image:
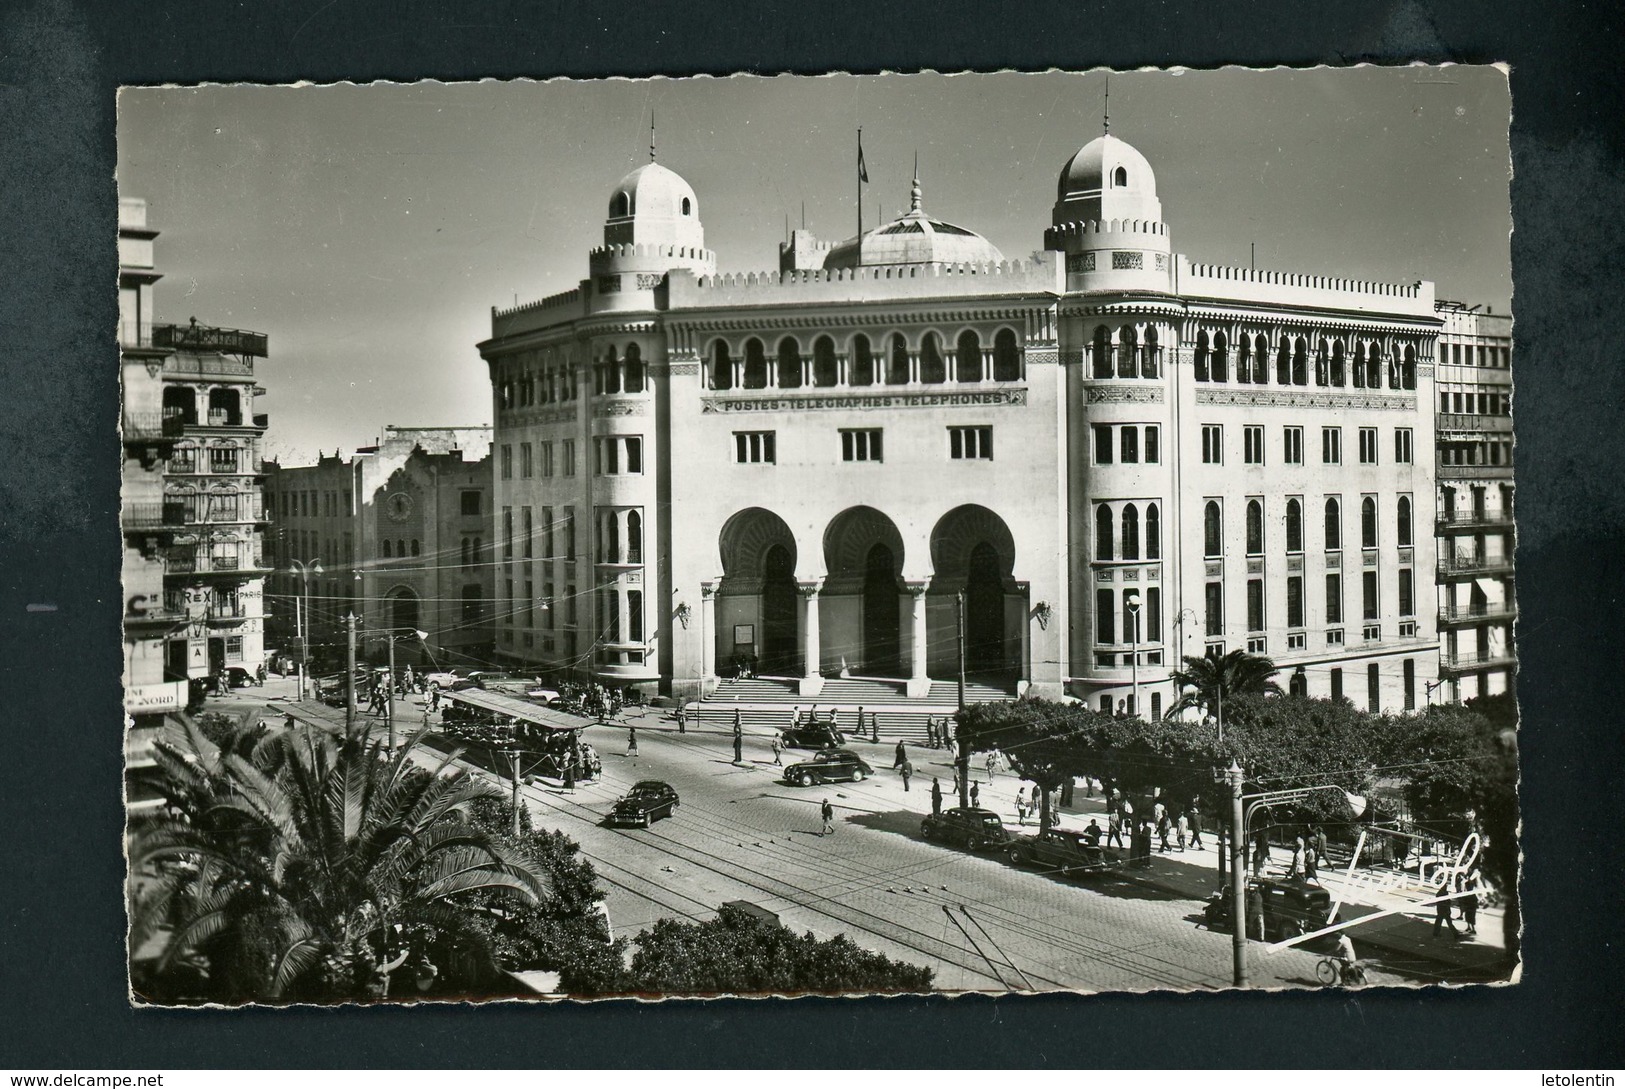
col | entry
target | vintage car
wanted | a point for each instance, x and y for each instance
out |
(646, 801)
(817, 735)
(968, 827)
(829, 766)
(1059, 849)
(1290, 908)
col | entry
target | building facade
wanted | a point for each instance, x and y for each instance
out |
(1477, 600)
(399, 535)
(1102, 458)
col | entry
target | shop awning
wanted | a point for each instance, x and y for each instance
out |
(518, 708)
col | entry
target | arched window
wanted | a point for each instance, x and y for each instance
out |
(1359, 366)
(1006, 357)
(1201, 356)
(1127, 351)
(1220, 363)
(755, 365)
(722, 366)
(1368, 522)
(416, 550)
(1339, 377)
(968, 356)
(387, 547)
(1153, 532)
(825, 370)
(863, 362)
(1103, 532)
(1120, 177)
(897, 363)
(633, 369)
(1407, 373)
(1244, 358)
(1102, 352)
(1255, 528)
(1294, 526)
(1131, 532)
(933, 368)
(1404, 521)
(1300, 362)
(1373, 366)
(1283, 363)
(609, 372)
(1261, 360)
(1212, 530)
(1334, 525)
(634, 537)
(620, 205)
(789, 364)
(180, 401)
(468, 557)
(1151, 362)
(687, 207)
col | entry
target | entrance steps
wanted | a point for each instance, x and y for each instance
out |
(768, 703)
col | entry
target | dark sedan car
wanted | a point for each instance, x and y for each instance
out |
(967, 827)
(829, 766)
(646, 801)
(1290, 908)
(815, 736)
(1057, 849)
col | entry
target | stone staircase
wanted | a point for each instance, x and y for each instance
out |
(766, 704)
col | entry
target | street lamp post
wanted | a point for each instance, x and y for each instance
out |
(1131, 602)
(962, 760)
(393, 634)
(302, 605)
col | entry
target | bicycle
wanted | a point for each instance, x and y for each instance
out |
(1334, 971)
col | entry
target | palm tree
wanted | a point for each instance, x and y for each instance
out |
(290, 867)
(1208, 681)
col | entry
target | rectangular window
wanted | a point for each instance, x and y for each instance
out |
(234, 648)
(1255, 604)
(1410, 683)
(526, 466)
(1212, 444)
(1368, 446)
(1334, 599)
(1294, 601)
(570, 606)
(970, 443)
(1368, 595)
(634, 453)
(547, 459)
(1402, 446)
(528, 530)
(529, 605)
(754, 447)
(1151, 629)
(507, 462)
(1252, 443)
(606, 457)
(1128, 445)
(547, 536)
(1215, 608)
(634, 616)
(470, 504)
(1373, 688)
(1337, 683)
(507, 534)
(547, 605)
(861, 444)
(1153, 434)
(569, 452)
(1407, 593)
(1331, 445)
(1103, 444)
(570, 537)
(1105, 617)
(471, 603)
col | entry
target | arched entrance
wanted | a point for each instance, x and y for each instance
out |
(882, 616)
(861, 611)
(779, 655)
(973, 550)
(984, 611)
(757, 626)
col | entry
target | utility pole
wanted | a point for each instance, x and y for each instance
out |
(389, 689)
(304, 644)
(349, 676)
(1233, 777)
(963, 759)
(513, 755)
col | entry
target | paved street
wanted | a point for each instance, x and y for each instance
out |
(981, 923)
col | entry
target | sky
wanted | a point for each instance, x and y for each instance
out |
(368, 230)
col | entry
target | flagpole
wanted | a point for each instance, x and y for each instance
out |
(860, 181)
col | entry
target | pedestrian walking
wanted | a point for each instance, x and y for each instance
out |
(1319, 839)
(1311, 869)
(682, 719)
(902, 755)
(1295, 867)
(908, 773)
(778, 750)
(975, 795)
(1441, 911)
(1021, 805)
(1162, 833)
(739, 745)
(992, 765)
(1196, 827)
(936, 796)
(1114, 828)
(570, 772)
(259, 675)
(1183, 827)
(631, 741)
(827, 812)
(434, 698)
(1091, 834)
(1261, 850)
(1468, 884)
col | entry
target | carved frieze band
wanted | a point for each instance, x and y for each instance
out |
(849, 402)
(604, 409)
(1124, 395)
(1266, 398)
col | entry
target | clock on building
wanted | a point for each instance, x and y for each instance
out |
(399, 506)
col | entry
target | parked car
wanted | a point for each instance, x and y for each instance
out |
(238, 677)
(968, 827)
(646, 801)
(815, 736)
(829, 766)
(1291, 908)
(331, 690)
(1059, 849)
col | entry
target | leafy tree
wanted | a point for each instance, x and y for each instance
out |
(1215, 679)
(293, 866)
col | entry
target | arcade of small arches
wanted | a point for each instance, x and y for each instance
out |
(870, 604)
(222, 406)
(1336, 361)
(931, 358)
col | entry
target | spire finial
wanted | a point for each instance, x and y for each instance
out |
(1106, 116)
(914, 200)
(651, 134)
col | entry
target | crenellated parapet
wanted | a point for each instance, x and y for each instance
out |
(870, 283)
(1269, 287)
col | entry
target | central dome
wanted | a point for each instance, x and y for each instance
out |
(654, 205)
(1106, 163)
(914, 239)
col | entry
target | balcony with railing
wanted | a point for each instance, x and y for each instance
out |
(190, 563)
(1471, 472)
(207, 338)
(1462, 421)
(1482, 613)
(1465, 567)
(169, 423)
(1450, 521)
(147, 516)
(1473, 661)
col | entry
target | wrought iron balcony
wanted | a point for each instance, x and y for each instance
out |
(147, 516)
(1447, 521)
(150, 426)
(1458, 567)
(207, 338)
(1471, 661)
(1456, 615)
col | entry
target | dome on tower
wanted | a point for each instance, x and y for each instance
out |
(1107, 180)
(915, 238)
(653, 204)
